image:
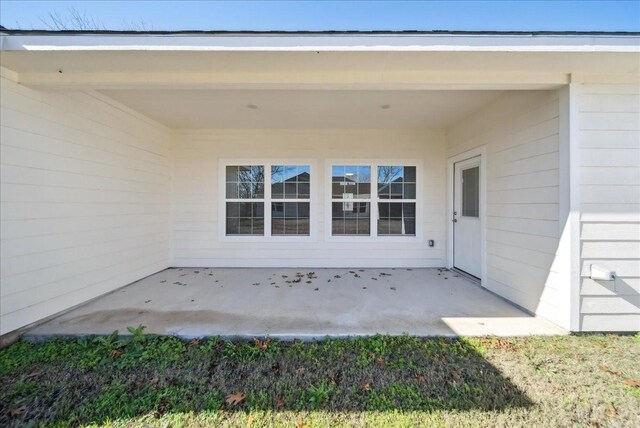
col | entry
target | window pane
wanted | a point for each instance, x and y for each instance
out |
(396, 218)
(396, 182)
(409, 191)
(245, 218)
(277, 190)
(350, 181)
(471, 192)
(290, 218)
(232, 173)
(245, 182)
(350, 218)
(290, 182)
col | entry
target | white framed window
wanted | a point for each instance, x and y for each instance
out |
(290, 200)
(244, 200)
(396, 198)
(373, 199)
(264, 199)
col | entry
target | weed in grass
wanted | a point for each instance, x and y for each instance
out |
(318, 395)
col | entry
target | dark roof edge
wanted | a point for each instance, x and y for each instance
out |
(324, 32)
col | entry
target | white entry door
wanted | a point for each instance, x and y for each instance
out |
(466, 216)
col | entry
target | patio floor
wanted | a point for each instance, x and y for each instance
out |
(299, 303)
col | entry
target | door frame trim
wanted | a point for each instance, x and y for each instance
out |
(480, 151)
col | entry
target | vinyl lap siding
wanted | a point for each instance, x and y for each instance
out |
(196, 224)
(521, 134)
(609, 121)
(85, 200)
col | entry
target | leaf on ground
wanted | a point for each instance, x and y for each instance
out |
(420, 379)
(381, 361)
(611, 411)
(194, 343)
(235, 398)
(262, 344)
(116, 353)
(18, 411)
(250, 420)
(302, 425)
(609, 370)
(279, 402)
(366, 387)
(632, 383)
(31, 375)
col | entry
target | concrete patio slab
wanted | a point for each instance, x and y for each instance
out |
(299, 303)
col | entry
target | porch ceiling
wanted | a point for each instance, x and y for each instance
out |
(303, 108)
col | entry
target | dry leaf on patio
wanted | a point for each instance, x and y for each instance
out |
(235, 398)
(18, 411)
(608, 370)
(632, 383)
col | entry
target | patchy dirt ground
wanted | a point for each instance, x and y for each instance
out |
(591, 380)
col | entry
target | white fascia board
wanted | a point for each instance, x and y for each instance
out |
(356, 43)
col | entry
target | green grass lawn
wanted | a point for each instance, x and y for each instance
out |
(588, 380)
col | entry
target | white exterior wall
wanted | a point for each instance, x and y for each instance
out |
(197, 239)
(609, 139)
(85, 200)
(520, 131)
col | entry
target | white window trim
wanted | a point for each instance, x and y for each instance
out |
(373, 236)
(267, 237)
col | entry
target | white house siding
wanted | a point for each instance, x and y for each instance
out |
(85, 200)
(196, 226)
(609, 138)
(521, 133)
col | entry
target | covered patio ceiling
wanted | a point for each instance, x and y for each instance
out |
(299, 109)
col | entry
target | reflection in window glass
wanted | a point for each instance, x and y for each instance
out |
(351, 182)
(471, 192)
(350, 218)
(290, 194)
(352, 185)
(395, 218)
(245, 218)
(245, 182)
(397, 182)
(290, 218)
(290, 182)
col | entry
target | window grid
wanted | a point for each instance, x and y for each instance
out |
(396, 196)
(290, 200)
(247, 198)
(351, 200)
(244, 200)
(407, 219)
